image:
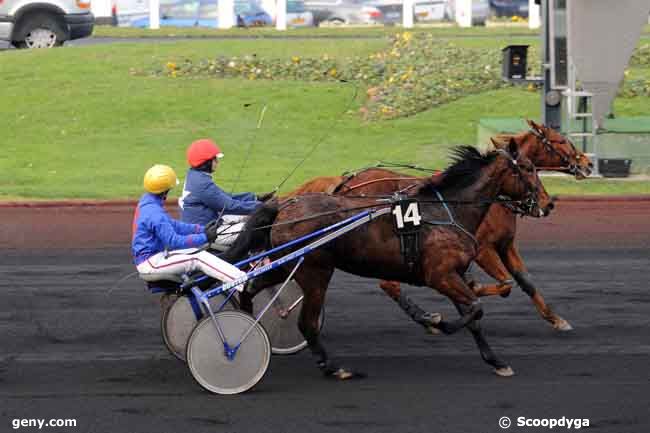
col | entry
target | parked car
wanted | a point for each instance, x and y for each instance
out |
(336, 12)
(510, 8)
(298, 15)
(44, 23)
(480, 11)
(430, 10)
(194, 13)
(391, 10)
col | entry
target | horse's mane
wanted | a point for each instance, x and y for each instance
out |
(466, 163)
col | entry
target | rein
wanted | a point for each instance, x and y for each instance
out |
(383, 179)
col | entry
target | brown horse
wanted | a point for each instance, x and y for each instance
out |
(498, 256)
(469, 186)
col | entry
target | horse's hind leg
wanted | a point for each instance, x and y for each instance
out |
(517, 268)
(417, 314)
(314, 282)
(500, 367)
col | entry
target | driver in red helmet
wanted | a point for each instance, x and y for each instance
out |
(203, 201)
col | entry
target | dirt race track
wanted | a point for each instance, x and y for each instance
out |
(72, 348)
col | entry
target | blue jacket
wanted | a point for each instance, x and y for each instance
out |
(203, 201)
(154, 230)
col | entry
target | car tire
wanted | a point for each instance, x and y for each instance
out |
(40, 30)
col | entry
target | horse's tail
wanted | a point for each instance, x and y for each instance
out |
(256, 234)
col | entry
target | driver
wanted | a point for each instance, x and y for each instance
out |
(164, 248)
(204, 201)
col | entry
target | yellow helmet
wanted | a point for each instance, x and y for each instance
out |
(160, 178)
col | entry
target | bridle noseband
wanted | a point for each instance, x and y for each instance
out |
(530, 202)
(567, 166)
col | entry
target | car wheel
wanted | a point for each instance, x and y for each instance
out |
(40, 31)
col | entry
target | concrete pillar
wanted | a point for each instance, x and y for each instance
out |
(154, 14)
(534, 15)
(407, 14)
(464, 13)
(281, 16)
(226, 14)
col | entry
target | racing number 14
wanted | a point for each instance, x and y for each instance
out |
(412, 215)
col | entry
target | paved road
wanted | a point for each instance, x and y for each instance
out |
(71, 350)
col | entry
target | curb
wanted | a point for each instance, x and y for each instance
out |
(133, 203)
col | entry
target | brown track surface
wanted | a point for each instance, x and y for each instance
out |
(580, 222)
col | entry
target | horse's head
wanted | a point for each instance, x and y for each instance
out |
(553, 151)
(522, 183)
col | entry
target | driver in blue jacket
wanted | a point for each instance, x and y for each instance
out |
(204, 201)
(163, 248)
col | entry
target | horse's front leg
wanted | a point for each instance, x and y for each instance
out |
(314, 282)
(500, 367)
(455, 288)
(517, 268)
(490, 261)
(428, 320)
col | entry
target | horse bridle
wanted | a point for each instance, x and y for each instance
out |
(530, 202)
(548, 145)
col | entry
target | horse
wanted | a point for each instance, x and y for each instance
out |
(467, 188)
(498, 255)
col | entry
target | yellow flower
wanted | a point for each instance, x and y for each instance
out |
(295, 59)
(173, 74)
(407, 36)
(332, 72)
(171, 66)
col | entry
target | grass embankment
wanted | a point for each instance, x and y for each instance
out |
(81, 125)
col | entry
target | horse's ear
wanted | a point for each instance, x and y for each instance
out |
(513, 148)
(494, 143)
(534, 125)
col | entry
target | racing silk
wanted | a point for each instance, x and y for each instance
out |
(154, 230)
(202, 200)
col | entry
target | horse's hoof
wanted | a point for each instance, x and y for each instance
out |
(345, 374)
(430, 321)
(504, 371)
(562, 325)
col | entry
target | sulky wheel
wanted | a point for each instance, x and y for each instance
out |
(179, 320)
(207, 359)
(281, 320)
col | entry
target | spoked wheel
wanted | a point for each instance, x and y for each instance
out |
(281, 319)
(179, 320)
(213, 369)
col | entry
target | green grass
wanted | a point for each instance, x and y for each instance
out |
(78, 124)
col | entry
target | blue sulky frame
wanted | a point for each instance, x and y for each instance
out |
(331, 232)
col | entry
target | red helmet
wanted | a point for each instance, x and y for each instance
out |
(201, 151)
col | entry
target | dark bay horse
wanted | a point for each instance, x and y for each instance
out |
(498, 255)
(373, 250)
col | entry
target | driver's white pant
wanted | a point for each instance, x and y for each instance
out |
(163, 265)
(231, 226)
